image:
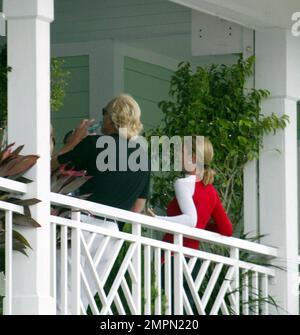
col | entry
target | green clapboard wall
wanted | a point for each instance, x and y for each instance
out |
(76, 103)
(148, 84)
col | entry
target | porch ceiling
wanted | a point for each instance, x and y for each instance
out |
(252, 14)
(158, 26)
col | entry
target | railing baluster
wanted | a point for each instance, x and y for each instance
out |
(265, 294)
(53, 260)
(8, 262)
(187, 305)
(211, 284)
(234, 253)
(168, 281)
(128, 296)
(136, 262)
(194, 293)
(157, 262)
(75, 268)
(255, 293)
(64, 270)
(114, 252)
(245, 294)
(178, 275)
(201, 275)
(147, 275)
(89, 293)
(119, 305)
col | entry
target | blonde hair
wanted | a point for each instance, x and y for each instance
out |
(209, 173)
(125, 114)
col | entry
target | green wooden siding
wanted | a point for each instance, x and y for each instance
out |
(76, 103)
(148, 84)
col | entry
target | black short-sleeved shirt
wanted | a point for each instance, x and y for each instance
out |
(113, 188)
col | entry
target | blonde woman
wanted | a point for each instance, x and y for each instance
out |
(122, 189)
(196, 200)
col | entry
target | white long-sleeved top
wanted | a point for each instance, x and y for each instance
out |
(184, 192)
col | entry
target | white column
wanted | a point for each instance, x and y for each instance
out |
(278, 69)
(250, 170)
(29, 123)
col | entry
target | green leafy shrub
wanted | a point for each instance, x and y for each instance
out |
(213, 102)
(59, 84)
(3, 86)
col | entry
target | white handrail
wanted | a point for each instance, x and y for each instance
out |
(162, 225)
(9, 185)
(7, 206)
(12, 186)
(158, 244)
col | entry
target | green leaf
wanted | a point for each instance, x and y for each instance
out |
(20, 238)
(23, 220)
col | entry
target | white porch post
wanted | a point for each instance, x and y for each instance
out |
(278, 70)
(250, 171)
(29, 124)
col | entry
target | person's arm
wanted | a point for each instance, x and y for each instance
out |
(79, 134)
(184, 191)
(139, 205)
(222, 224)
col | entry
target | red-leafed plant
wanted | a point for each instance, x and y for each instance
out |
(13, 165)
(65, 180)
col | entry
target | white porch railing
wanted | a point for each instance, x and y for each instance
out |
(115, 272)
(124, 273)
(9, 208)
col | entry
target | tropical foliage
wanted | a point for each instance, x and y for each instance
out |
(65, 180)
(12, 166)
(59, 83)
(4, 69)
(213, 102)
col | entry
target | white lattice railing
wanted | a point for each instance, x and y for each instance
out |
(115, 272)
(9, 208)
